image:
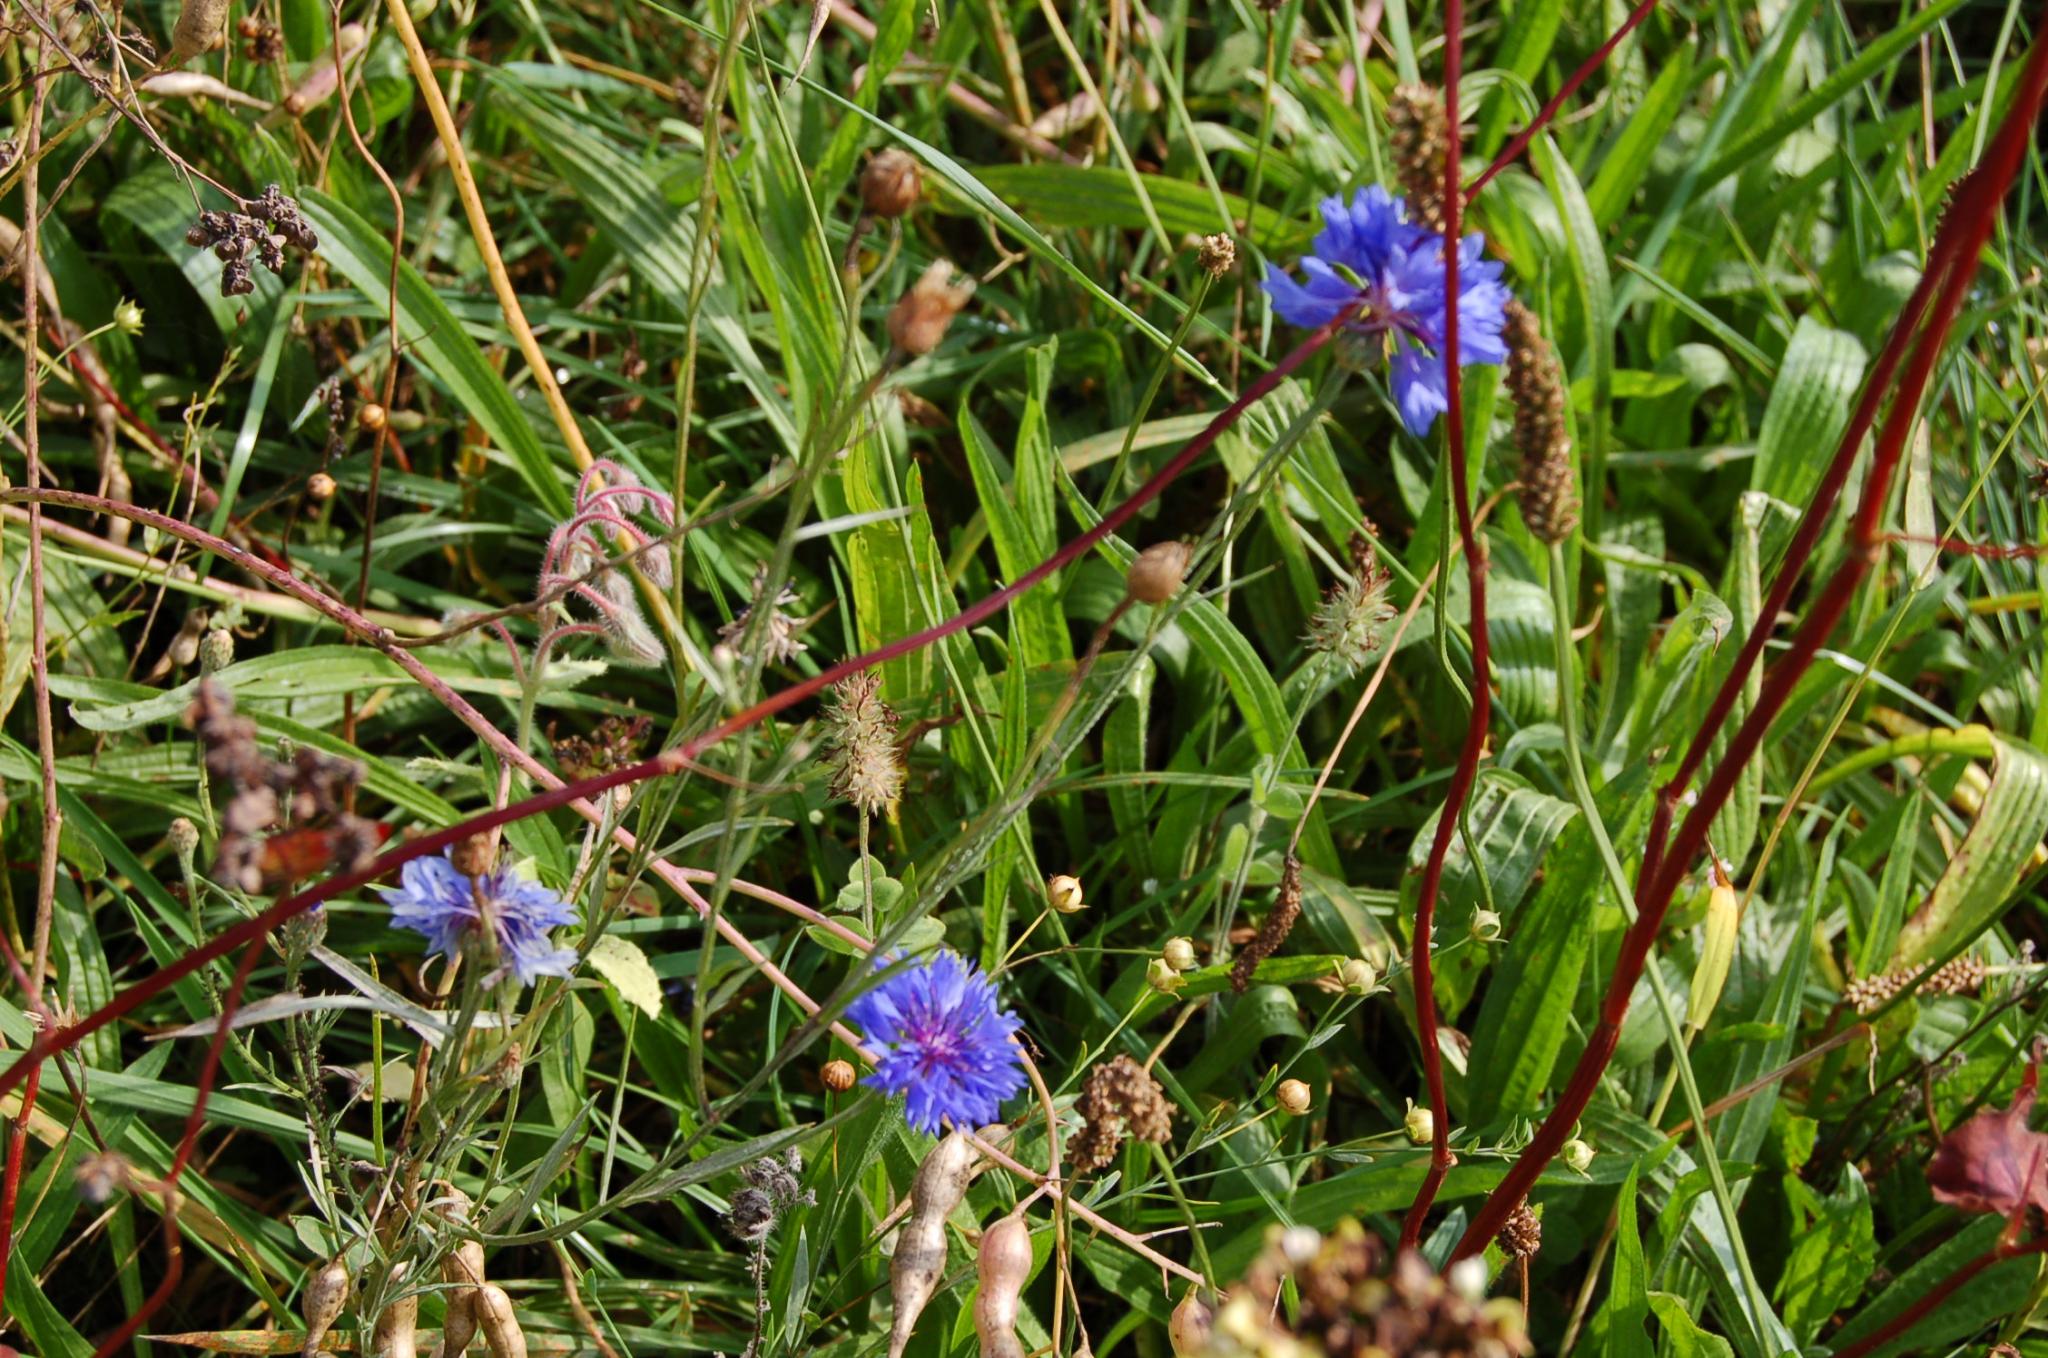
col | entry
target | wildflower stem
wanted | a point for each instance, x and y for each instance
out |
(1926, 1304)
(1449, 819)
(1952, 266)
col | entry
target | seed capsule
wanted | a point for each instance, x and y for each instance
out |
(320, 486)
(1179, 953)
(371, 416)
(1063, 893)
(1419, 1125)
(326, 1292)
(1157, 573)
(500, 1326)
(1578, 1155)
(838, 1076)
(1188, 1328)
(397, 1331)
(1004, 1264)
(891, 184)
(1293, 1096)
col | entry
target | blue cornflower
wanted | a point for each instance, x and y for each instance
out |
(944, 1043)
(437, 899)
(1386, 274)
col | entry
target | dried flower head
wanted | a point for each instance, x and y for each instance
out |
(920, 318)
(504, 915)
(1522, 1234)
(1119, 1099)
(772, 1189)
(1217, 255)
(258, 229)
(1549, 495)
(613, 745)
(867, 769)
(891, 183)
(1279, 922)
(1419, 137)
(779, 629)
(1353, 1301)
(947, 1046)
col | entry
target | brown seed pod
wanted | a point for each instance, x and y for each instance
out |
(838, 1076)
(1156, 575)
(459, 1329)
(920, 1255)
(918, 321)
(891, 183)
(371, 416)
(1294, 1096)
(201, 24)
(1004, 1265)
(320, 486)
(500, 1326)
(326, 1293)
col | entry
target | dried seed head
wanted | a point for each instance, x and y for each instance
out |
(320, 486)
(1273, 932)
(1119, 1098)
(1293, 1096)
(918, 321)
(891, 183)
(780, 630)
(1350, 623)
(1419, 1125)
(1179, 953)
(1217, 255)
(1549, 495)
(1063, 893)
(1158, 571)
(1419, 137)
(1162, 976)
(1577, 1155)
(184, 838)
(866, 767)
(838, 1076)
(1522, 1234)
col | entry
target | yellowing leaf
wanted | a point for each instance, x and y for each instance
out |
(626, 969)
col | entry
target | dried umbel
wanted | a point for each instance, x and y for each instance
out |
(920, 1255)
(615, 743)
(778, 630)
(1549, 496)
(1350, 624)
(326, 1293)
(1279, 923)
(1157, 573)
(891, 183)
(1959, 976)
(1419, 137)
(1217, 255)
(1119, 1098)
(576, 563)
(1004, 1265)
(258, 230)
(1522, 1236)
(1353, 1301)
(867, 769)
(920, 318)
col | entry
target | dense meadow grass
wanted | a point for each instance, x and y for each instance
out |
(853, 678)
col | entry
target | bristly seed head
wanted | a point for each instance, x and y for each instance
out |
(779, 629)
(866, 767)
(1278, 924)
(1419, 137)
(1549, 495)
(1351, 622)
(1119, 1098)
(1217, 255)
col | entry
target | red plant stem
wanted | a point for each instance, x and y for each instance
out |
(242, 934)
(1963, 235)
(194, 1120)
(17, 1150)
(1421, 965)
(1520, 141)
(1924, 1306)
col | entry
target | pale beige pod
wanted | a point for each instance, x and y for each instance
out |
(501, 1328)
(920, 1255)
(460, 1327)
(397, 1332)
(200, 25)
(1004, 1265)
(326, 1292)
(1189, 1326)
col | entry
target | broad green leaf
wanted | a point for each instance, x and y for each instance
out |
(1977, 886)
(1629, 157)
(1832, 1256)
(1808, 409)
(1628, 1298)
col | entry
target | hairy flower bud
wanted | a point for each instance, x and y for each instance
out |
(891, 183)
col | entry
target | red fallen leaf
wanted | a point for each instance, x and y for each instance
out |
(1995, 1162)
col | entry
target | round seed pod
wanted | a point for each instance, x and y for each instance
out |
(838, 1076)
(1419, 1125)
(1179, 953)
(1063, 893)
(1156, 575)
(891, 183)
(1293, 1096)
(320, 486)
(1189, 1326)
(1577, 1154)
(495, 1318)
(371, 416)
